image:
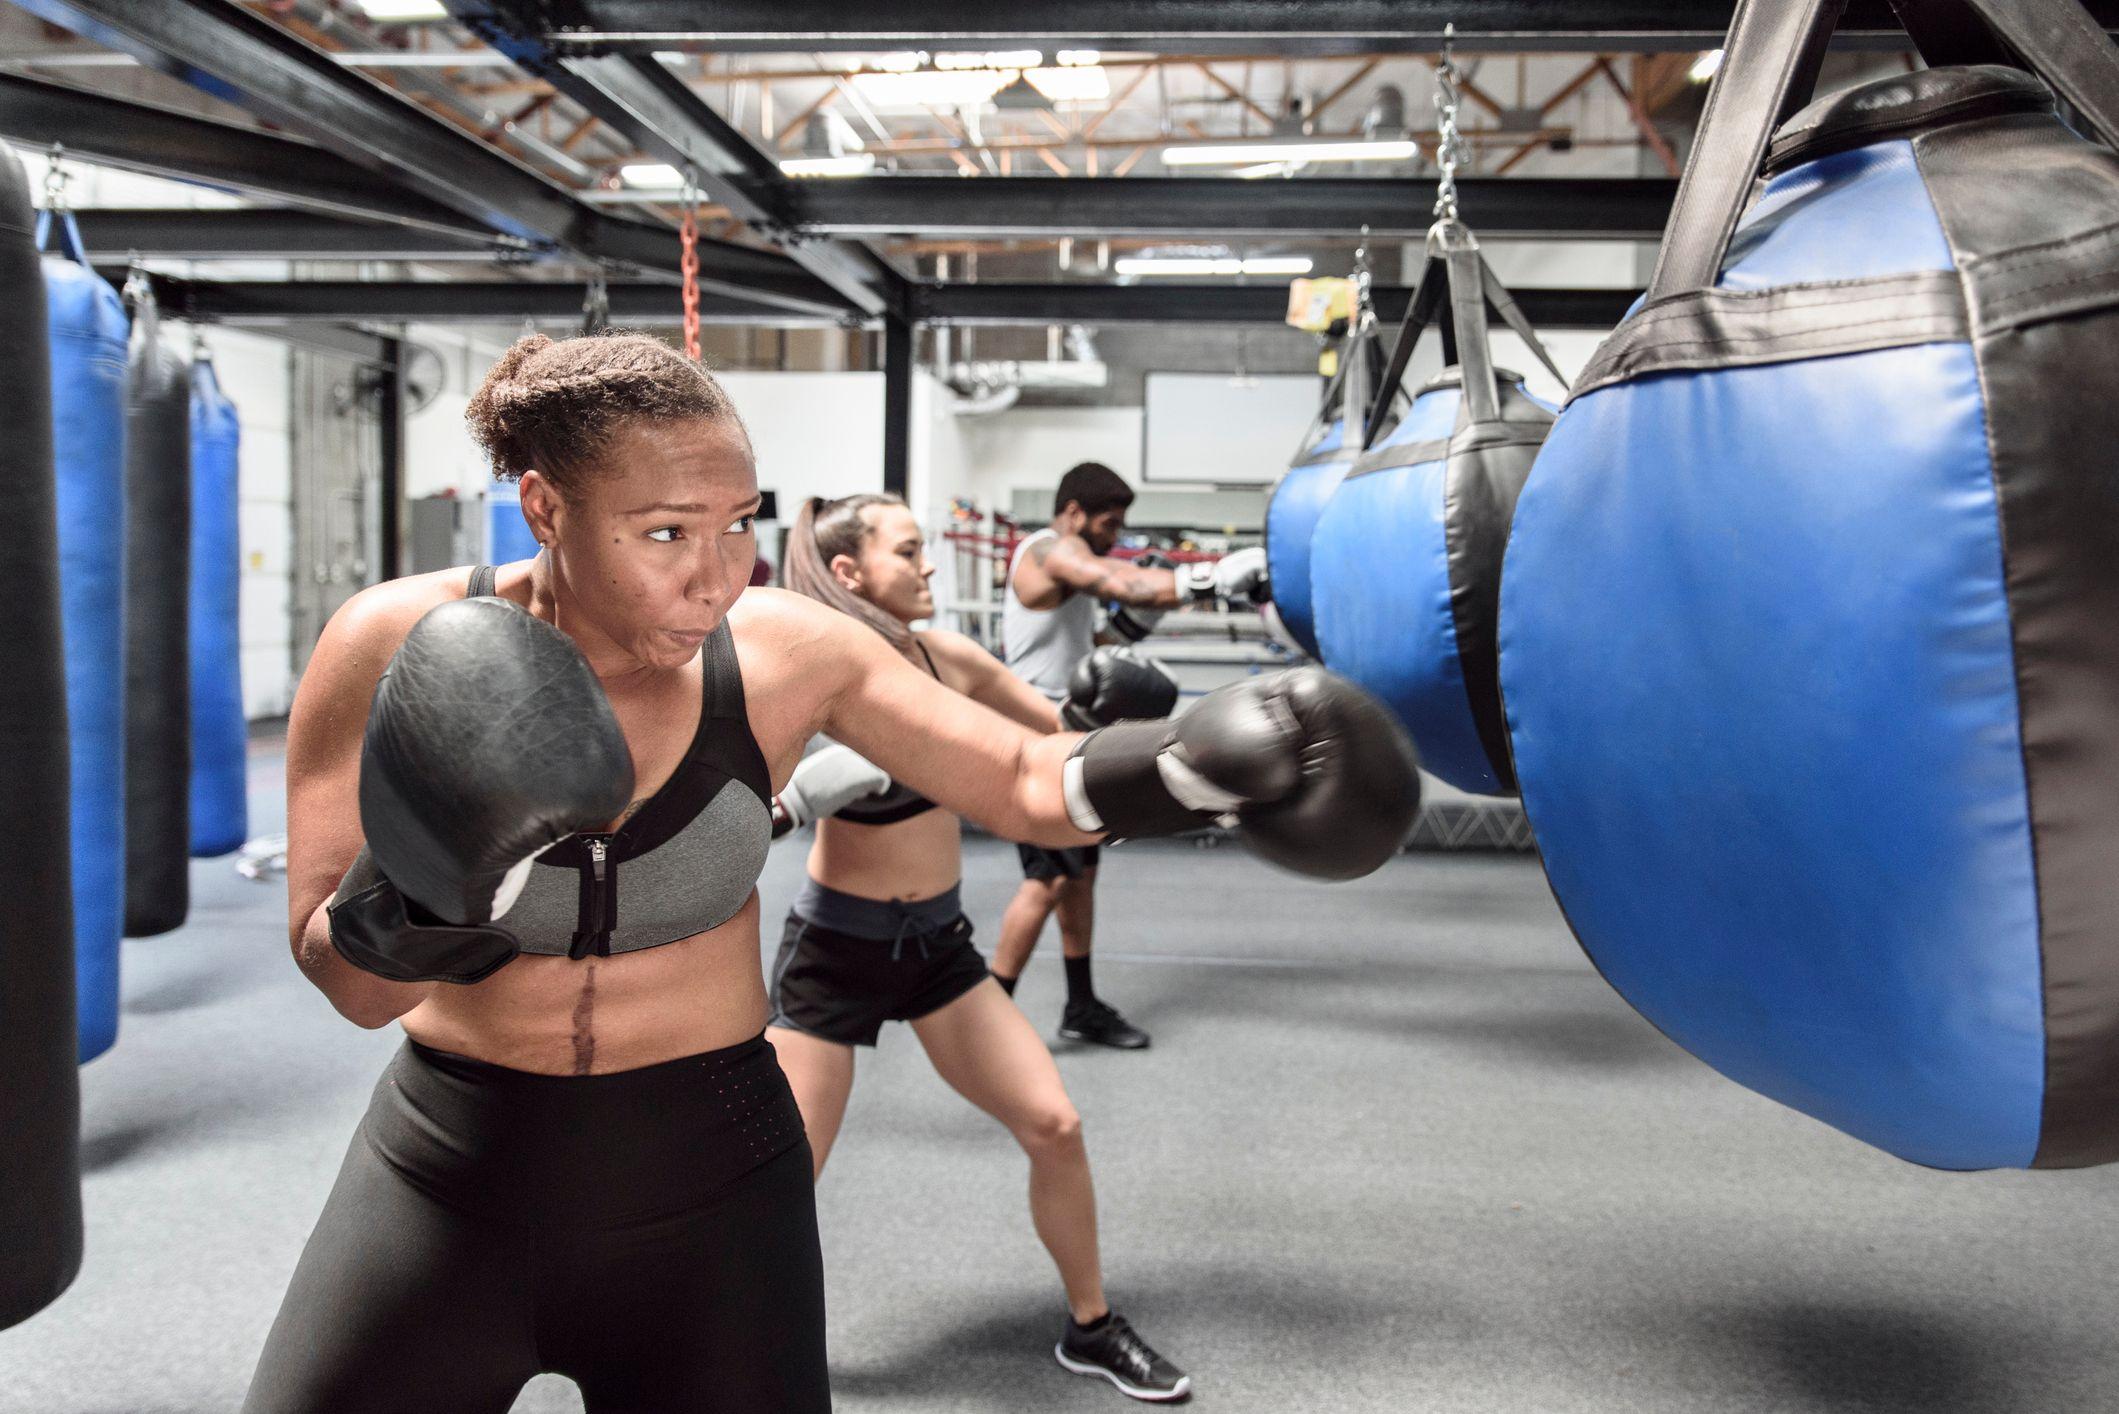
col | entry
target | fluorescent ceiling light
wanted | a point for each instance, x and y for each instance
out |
(1005, 59)
(1078, 58)
(1213, 265)
(931, 88)
(650, 174)
(1704, 67)
(1071, 85)
(1229, 154)
(402, 11)
(852, 164)
(421, 59)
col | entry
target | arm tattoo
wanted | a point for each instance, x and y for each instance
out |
(1041, 549)
(1129, 587)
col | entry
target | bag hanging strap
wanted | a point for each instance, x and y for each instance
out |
(1774, 51)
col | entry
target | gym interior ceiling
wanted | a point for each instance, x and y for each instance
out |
(1002, 164)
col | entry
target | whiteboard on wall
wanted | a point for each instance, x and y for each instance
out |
(1215, 427)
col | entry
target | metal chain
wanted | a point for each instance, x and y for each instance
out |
(596, 304)
(1451, 151)
(688, 266)
(56, 178)
(1364, 307)
(139, 291)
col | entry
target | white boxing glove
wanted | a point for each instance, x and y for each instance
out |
(1238, 577)
(826, 782)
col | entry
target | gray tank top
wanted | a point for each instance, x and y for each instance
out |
(1043, 645)
(688, 858)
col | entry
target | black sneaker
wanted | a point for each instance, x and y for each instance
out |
(1098, 1022)
(1116, 1352)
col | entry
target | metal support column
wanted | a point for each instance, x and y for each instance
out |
(390, 484)
(897, 405)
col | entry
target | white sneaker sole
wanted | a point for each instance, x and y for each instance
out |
(1153, 1396)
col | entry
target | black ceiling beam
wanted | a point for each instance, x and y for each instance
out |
(174, 296)
(1571, 208)
(272, 233)
(146, 137)
(258, 233)
(444, 302)
(238, 56)
(654, 109)
(1175, 302)
(1290, 27)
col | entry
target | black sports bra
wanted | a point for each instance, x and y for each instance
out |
(690, 855)
(900, 802)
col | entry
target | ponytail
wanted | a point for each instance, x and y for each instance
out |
(824, 530)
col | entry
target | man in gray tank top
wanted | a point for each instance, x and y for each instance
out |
(1048, 624)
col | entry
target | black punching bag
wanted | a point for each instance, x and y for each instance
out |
(40, 1103)
(157, 626)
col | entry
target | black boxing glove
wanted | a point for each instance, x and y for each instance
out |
(1116, 684)
(489, 740)
(1130, 623)
(1319, 776)
(379, 930)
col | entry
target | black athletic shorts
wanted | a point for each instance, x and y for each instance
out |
(1045, 865)
(842, 988)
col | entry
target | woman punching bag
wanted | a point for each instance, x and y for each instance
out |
(157, 622)
(87, 322)
(1405, 567)
(40, 1105)
(1810, 619)
(1328, 449)
(220, 819)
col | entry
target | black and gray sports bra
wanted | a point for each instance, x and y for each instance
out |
(900, 802)
(690, 856)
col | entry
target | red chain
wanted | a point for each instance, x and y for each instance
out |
(688, 233)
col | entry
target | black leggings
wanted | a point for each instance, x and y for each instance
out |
(650, 1234)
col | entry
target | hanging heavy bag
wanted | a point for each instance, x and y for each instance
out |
(87, 327)
(1298, 497)
(1810, 619)
(1405, 569)
(508, 536)
(220, 819)
(157, 626)
(40, 1105)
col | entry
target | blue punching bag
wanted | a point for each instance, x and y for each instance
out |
(88, 333)
(1298, 497)
(508, 535)
(1292, 508)
(219, 811)
(1406, 558)
(1810, 619)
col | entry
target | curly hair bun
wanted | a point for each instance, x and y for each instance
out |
(552, 405)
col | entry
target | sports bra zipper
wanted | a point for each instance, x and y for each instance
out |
(598, 911)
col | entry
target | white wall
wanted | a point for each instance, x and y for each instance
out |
(257, 376)
(439, 453)
(1033, 447)
(816, 434)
